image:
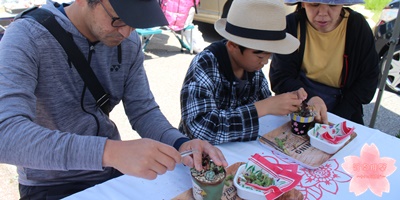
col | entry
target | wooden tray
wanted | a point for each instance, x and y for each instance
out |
(298, 148)
(229, 192)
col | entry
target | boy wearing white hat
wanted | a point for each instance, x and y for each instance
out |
(336, 63)
(224, 91)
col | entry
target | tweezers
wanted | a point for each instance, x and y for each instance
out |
(270, 143)
(187, 153)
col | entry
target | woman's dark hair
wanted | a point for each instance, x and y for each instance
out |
(298, 7)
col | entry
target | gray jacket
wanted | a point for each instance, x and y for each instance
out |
(50, 126)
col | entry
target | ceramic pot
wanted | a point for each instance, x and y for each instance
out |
(206, 188)
(300, 125)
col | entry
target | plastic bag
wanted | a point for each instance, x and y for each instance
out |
(197, 36)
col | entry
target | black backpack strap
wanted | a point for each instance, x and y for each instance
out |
(47, 19)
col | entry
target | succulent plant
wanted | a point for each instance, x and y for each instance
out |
(305, 110)
(210, 173)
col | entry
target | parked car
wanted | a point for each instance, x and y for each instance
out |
(383, 32)
(209, 11)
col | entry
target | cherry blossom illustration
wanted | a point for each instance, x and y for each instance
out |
(369, 171)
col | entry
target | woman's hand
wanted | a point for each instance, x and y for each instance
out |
(321, 112)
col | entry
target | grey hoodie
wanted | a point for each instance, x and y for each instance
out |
(50, 127)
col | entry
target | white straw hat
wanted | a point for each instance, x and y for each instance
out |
(259, 25)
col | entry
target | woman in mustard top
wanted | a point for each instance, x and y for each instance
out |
(336, 62)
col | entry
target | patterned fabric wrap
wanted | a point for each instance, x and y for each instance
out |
(332, 133)
(284, 176)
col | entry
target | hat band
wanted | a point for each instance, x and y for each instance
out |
(255, 34)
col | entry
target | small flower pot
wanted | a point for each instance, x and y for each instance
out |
(208, 184)
(300, 125)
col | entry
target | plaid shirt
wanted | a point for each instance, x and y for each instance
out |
(212, 110)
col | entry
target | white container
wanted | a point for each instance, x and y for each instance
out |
(246, 193)
(324, 145)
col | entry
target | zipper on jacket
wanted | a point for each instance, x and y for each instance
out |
(91, 51)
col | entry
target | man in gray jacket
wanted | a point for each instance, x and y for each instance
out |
(50, 125)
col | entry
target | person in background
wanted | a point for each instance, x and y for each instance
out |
(180, 14)
(225, 91)
(51, 127)
(336, 63)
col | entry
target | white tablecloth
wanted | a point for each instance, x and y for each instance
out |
(329, 181)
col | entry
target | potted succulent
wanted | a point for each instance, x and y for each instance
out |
(209, 182)
(302, 119)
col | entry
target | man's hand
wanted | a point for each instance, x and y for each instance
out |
(321, 112)
(202, 147)
(143, 158)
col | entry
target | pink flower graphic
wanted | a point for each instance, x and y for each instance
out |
(369, 171)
